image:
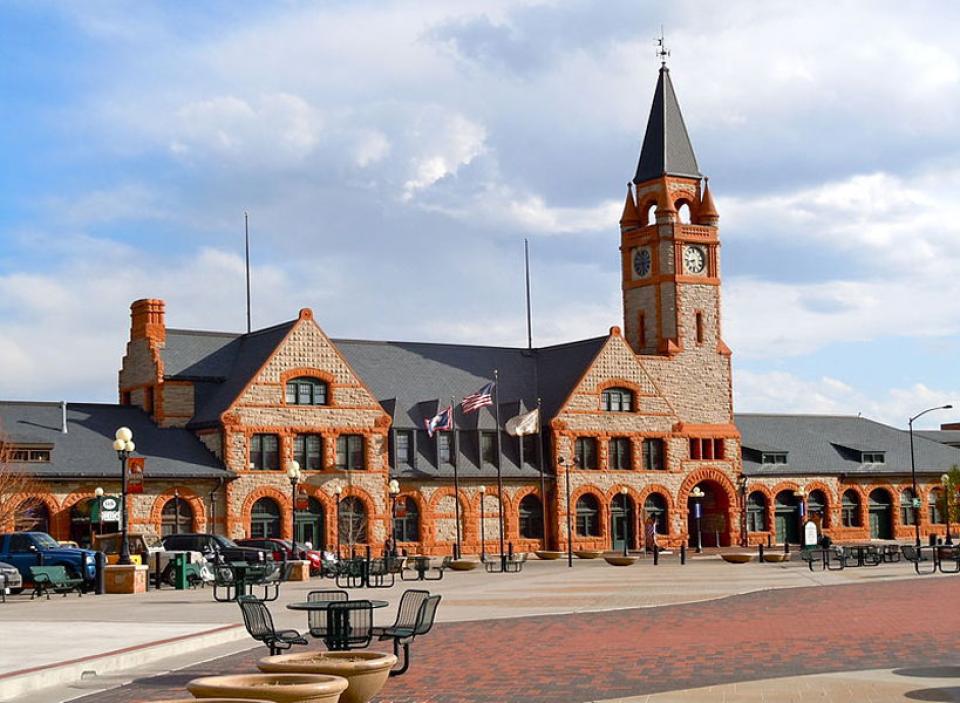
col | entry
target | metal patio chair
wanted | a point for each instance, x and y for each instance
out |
(259, 623)
(317, 619)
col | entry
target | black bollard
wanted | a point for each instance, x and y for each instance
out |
(769, 540)
(760, 552)
(100, 561)
(656, 555)
(683, 554)
(786, 547)
(158, 578)
(510, 550)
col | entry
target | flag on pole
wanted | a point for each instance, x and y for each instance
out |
(442, 421)
(481, 398)
(524, 424)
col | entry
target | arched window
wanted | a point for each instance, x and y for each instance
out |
(683, 212)
(651, 215)
(817, 505)
(908, 515)
(406, 520)
(655, 508)
(32, 515)
(616, 400)
(850, 508)
(757, 512)
(935, 506)
(176, 517)
(531, 517)
(265, 519)
(588, 516)
(306, 391)
(353, 521)
(311, 526)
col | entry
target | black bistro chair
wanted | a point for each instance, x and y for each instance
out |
(317, 619)
(404, 636)
(259, 623)
(407, 613)
(349, 625)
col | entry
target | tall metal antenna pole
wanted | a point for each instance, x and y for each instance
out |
(246, 237)
(526, 259)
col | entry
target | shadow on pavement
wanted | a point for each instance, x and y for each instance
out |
(951, 693)
(930, 672)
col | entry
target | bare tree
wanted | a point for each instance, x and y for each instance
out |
(14, 482)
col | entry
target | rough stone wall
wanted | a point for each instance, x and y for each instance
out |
(177, 400)
(139, 366)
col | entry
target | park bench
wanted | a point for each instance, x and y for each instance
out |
(259, 623)
(53, 578)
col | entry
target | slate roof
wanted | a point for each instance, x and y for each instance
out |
(951, 437)
(831, 444)
(666, 145)
(85, 450)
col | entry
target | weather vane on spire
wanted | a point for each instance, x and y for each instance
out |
(662, 51)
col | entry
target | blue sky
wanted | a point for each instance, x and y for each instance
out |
(393, 156)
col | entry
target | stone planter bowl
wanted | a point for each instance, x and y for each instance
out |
(212, 700)
(620, 560)
(548, 554)
(776, 556)
(588, 553)
(464, 564)
(276, 688)
(737, 558)
(366, 672)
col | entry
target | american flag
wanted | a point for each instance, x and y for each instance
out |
(442, 421)
(475, 401)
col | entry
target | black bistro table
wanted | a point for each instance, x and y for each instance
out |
(324, 606)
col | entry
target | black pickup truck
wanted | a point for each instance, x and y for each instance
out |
(216, 548)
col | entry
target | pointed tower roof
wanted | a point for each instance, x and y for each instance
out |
(666, 146)
(707, 207)
(630, 216)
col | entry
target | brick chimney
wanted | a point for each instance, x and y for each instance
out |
(147, 320)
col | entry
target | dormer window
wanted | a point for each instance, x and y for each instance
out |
(872, 458)
(616, 400)
(29, 455)
(774, 458)
(306, 391)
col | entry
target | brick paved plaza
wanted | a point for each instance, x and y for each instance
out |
(867, 623)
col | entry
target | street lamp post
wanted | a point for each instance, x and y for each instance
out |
(913, 470)
(124, 446)
(945, 482)
(483, 532)
(697, 495)
(801, 496)
(742, 485)
(566, 467)
(293, 473)
(337, 492)
(393, 488)
(626, 520)
(98, 492)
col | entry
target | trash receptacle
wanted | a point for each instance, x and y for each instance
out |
(180, 571)
(933, 540)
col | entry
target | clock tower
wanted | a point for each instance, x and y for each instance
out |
(668, 241)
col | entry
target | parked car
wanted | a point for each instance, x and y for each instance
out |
(26, 549)
(215, 548)
(281, 548)
(10, 578)
(148, 547)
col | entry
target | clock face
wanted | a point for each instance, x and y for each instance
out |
(694, 259)
(642, 261)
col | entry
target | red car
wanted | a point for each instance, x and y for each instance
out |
(281, 548)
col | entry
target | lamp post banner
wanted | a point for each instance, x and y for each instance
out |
(303, 498)
(135, 467)
(696, 510)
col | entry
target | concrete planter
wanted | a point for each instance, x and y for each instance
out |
(464, 564)
(548, 554)
(620, 560)
(276, 688)
(737, 558)
(212, 700)
(126, 579)
(776, 556)
(588, 553)
(366, 672)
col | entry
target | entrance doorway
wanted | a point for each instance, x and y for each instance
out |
(787, 518)
(310, 525)
(622, 528)
(713, 527)
(881, 513)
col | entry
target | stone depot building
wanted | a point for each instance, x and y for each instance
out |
(632, 423)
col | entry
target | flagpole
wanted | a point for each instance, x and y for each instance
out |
(496, 408)
(456, 474)
(543, 482)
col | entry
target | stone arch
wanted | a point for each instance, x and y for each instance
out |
(648, 211)
(706, 474)
(729, 511)
(308, 372)
(61, 519)
(467, 515)
(184, 493)
(48, 500)
(863, 515)
(369, 508)
(603, 510)
(691, 212)
(282, 500)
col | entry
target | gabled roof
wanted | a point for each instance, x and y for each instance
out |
(86, 450)
(820, 444)
(666, 145)
(951, 437)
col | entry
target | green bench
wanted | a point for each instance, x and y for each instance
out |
(53, 578)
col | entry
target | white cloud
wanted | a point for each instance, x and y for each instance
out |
(444, 142)
(784, 392)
